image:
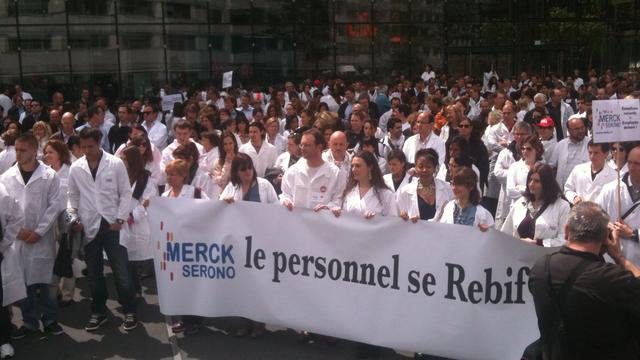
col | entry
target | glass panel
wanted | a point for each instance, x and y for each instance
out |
(592, 8)
(392, 50)
(45, 59)
(39, 11)
(188, 53)
(527, 9)
(94, 58)
(238, 12)
(352, 11)
(391, 11)
(489, 10)
(353, 51)
(311, 12)
(427, 47)
(142, 58)
(191, 10)
(314, 51)
(135, 11)
(10, 73)
(458, 11)
(274, 53)
(430, 11)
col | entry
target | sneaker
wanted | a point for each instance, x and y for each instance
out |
(23, 332)
(130, 322)
(95, 322)
(53, 329)
(6, 351)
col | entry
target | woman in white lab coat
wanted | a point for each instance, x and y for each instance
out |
(197, 176)
(421, 199)
(532, 151)
(57, 156)
(465, 208)
(371, 145)
(135, 234)
(366, 192)
(539, 216)
(399, 176)
(228, 151)
(245, 185)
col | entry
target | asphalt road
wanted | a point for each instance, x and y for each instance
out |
(151, 339)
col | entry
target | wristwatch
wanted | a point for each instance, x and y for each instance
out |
(120, 221)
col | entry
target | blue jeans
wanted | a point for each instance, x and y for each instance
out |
(45, 296)
(109, 242)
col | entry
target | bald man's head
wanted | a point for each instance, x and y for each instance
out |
(338, 143)
(67, 122)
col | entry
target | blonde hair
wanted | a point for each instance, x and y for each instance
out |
(179, 167)
(44, 126)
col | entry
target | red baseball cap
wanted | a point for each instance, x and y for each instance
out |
(546, 122)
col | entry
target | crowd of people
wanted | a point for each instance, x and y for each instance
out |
(513, 154)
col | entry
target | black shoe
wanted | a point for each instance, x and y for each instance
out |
(95, 322)
(130, 322)
(23, 332)
(53, 329)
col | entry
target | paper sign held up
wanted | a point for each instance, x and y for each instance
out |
(616, 120)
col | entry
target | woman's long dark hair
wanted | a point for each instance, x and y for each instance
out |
(223, 153)
(377, 182)
(135, 163)
(241, 160)
(550, 188)
(468, 178)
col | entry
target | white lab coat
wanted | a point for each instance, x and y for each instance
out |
(344, 166)
(566, 111)
(209, 159)
(187, 192)
(7, 158)
(607, 199)
(413, 144)
(580, 184)
(517, 180)
(383, 203)
(265, 189)
(107, 197)
(560, 155)
(157, 133)
(305, 191)
(157, 174)
(500, 171)
(494, 134)
(282, 162)
(407, 197)
(483, 216)
(167, 153)
(136, 237)
(40, 200)
(549, 225)
(549, 147)
(261, 160)
(203, 181)
(388, 179)
(280, 143)
(12, 220)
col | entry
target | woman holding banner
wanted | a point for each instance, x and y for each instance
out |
(197, 176)
(366, 192)
(247, 186)
(465, 208)
(177, 172)
(539, 216)
(420, 200)
(398, 177)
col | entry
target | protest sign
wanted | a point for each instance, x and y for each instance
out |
(445, 290)
(616, 120)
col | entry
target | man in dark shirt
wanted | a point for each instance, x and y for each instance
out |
(587, 308)
(119, 133)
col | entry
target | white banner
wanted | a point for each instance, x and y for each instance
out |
(227, 79)
(445, 290)
(169, 100)
(616, 120)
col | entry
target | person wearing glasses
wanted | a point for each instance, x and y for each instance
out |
(540, 215)
(531, 151)
(619, 153)
(156, 130)
(424, 139)
(570, 151)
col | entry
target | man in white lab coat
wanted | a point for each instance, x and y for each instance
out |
(262, 153)
(37, 189)
(13, 287)
(586, 180)
(570, 151)
(628, 221)
(100, 193)
(156, 131)
(312, 183)
(424, 139)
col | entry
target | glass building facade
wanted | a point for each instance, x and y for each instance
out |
(129, 46)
